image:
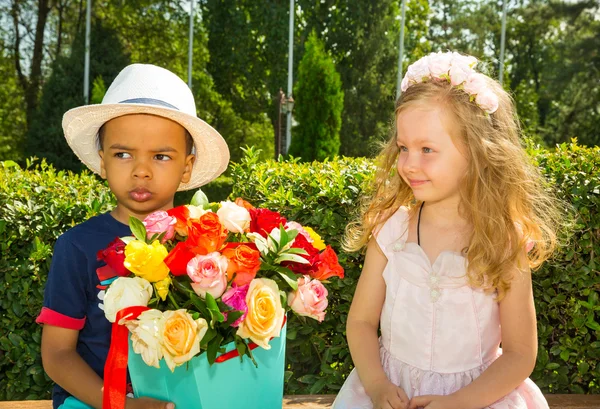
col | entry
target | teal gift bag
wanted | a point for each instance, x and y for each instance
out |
(228, 385)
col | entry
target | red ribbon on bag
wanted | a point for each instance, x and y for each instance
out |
(115, 370)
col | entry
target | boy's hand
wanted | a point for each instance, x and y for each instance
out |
(147, 403)
(389, 396)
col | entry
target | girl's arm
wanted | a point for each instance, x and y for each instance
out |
(519, 351)
(362, 326)
(65, 366)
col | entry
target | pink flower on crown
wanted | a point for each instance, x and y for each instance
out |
(488, 101)
(418, 71)
(476, 84)
(439, 65)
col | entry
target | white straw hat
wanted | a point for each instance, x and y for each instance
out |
(148, 89)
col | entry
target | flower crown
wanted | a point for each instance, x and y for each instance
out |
(459, 71)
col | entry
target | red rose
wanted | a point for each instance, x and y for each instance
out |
(327, 265)
(264, 221)
(179, 257)
(114, 256)
(313, 254)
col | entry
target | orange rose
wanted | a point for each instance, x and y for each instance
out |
(242, 203)
(207, 233)
(326, 266)
(244, 261)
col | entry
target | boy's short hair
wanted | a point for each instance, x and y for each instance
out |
(189, 142)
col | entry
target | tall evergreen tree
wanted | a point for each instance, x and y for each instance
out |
(319, 104)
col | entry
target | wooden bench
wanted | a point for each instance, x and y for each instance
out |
(325, 401)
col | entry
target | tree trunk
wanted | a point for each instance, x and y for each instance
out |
(31, 84)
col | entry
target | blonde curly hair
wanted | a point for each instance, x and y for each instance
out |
(502, 194)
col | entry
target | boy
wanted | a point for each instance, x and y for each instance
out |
(147, 141)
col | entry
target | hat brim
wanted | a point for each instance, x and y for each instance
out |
(81, 126)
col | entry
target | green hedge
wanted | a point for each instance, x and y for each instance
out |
(38, 203)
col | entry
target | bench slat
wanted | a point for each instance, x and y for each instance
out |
(325, 401)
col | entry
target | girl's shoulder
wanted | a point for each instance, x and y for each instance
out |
(392, 229)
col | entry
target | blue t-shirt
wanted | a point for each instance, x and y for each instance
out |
(75, 290)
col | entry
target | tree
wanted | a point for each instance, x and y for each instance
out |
(319, 101)
(63, 91)
(12, 110)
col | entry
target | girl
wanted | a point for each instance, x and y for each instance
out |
(457, 218)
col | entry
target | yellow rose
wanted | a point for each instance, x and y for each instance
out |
(317, 242)
(181, 336)
(265, 313)
(162, 287)
(146, 260)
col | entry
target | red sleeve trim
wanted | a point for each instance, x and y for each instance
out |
(51, 317)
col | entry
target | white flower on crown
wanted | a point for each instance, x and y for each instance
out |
(457, 69)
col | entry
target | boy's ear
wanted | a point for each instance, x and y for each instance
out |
(102, 170)
(187, 172)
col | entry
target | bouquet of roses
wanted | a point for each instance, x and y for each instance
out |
(208, 274)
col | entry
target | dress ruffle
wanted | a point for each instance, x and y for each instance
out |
(416, 382)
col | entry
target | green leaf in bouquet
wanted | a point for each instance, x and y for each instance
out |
(291, 234)
(291, 257)
(157, 236)
(213, 309)
(127, 239)
(241, 346)
(199, 199)
(210, 334)
(213, 348)
(288, 275)
(294, 250)
(199, 304)
(137, 228)
(232, 316)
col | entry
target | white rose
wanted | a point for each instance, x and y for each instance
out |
(146, 336)
(196, 212)
(126, 292)
(234, 218)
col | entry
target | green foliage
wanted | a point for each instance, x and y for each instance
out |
(38, 203)
(64, 90)
(321, 195)
(567, 287)
(319, 104)
(12, 110)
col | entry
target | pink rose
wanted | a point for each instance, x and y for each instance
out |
(235, 297)
(159, 222)
(208, 274)
(488, 101)
(439, 64)
(298, 227)
(475, 84)
(310, 299)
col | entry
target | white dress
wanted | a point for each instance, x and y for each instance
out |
(437, 333)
